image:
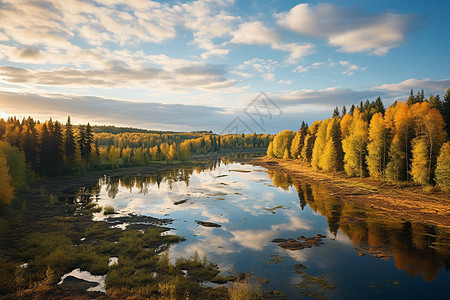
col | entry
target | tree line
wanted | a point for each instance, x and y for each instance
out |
(45, 149)
(408, 141)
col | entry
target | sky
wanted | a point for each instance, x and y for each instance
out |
(221, 65)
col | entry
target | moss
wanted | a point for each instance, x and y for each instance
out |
(314, 286)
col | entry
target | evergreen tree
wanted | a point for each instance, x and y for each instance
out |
(352, 109)
(445, 111)
(443, 168)
(57, 147)
(69, 144)
(379, 106)
(435, 102)
(336, 112)
(82, 143)
(30, 144)
(89, 140)
(310, 139)
(344, 111)
(298, 141)
(45, 152)
(411, 99)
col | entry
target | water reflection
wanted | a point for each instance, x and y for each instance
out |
(253, 206)
(416, 249)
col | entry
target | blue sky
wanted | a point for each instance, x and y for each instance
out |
(197, 65)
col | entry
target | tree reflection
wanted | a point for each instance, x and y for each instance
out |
(416, 249)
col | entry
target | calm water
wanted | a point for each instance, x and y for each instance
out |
(363, 255)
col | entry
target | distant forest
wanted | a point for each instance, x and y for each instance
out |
(406, 142)
(32, 149)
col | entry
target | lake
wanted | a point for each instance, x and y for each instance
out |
(291, 236)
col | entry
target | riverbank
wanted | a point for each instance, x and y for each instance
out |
(410, 203)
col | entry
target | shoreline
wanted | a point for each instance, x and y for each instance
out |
(409, 203)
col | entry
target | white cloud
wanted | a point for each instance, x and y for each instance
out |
(296, 51)
(254, 33)
(284, 81)
(429, 85)
(350, 68)
(113, 111)
(302, 69)
(268, 77)
(349, 29)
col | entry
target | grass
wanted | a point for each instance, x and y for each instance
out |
(108, 210)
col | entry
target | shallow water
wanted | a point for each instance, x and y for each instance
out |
(364, 254)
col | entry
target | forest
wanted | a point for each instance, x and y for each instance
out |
(32, 149)
(407, 142)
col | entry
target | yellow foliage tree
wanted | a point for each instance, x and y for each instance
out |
(355, 146)
(443, 167)
(320, 144)
(333, 156)
(378, 146)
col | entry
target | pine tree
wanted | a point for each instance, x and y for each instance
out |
(82, 143)
(443, 168)
(298, 141)
(89, 140)
(435, 102)
(45, 155)
(310, 139)
(335, 112)
(30, 144)
(57, 147)
(344, 111)
(69, 144)
(445, 111)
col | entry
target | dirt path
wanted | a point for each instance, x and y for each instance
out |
(408, 203)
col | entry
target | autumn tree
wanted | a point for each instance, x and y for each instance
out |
(401, 122)
(333, 155)
(443, 167)
(355, 146)
(319, 145)
(281, 142)
(378, 146)
(420, 159)
(430, 135)
(270, 150)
